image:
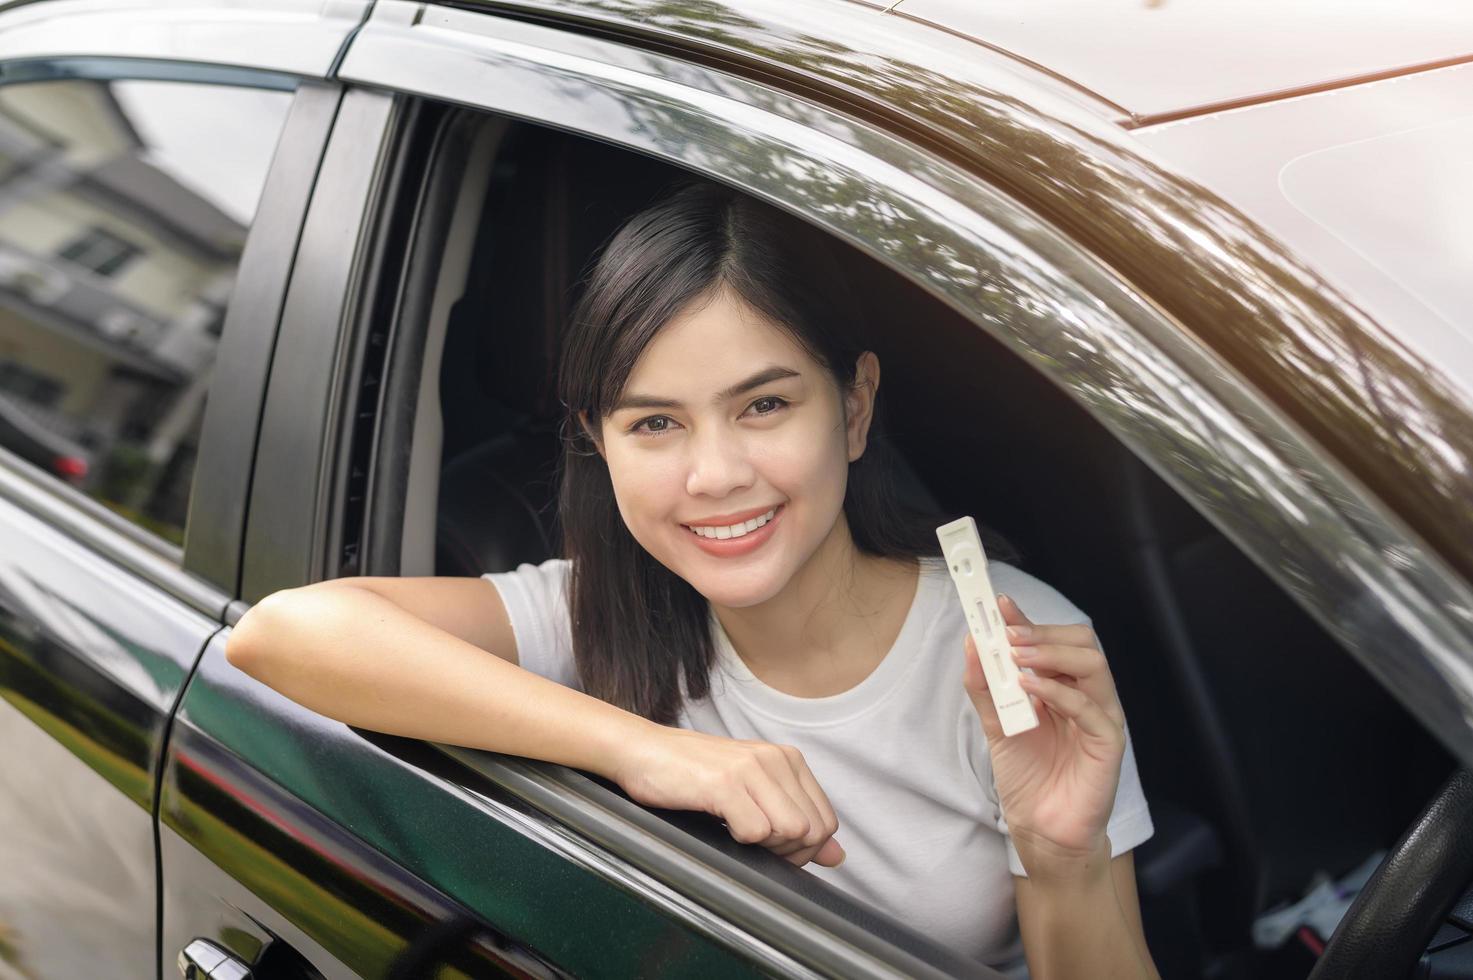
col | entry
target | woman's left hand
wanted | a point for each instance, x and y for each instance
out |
(1056, 782)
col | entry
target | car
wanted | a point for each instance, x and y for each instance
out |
(23, 436)
(1176, 299)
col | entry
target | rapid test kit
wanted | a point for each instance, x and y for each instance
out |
(967, 563)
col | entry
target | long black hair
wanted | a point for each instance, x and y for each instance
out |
(638, 628)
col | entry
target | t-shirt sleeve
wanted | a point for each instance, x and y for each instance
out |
(536, 599)
(1130, 820)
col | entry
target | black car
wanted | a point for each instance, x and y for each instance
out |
(295, 274)
(25, 437)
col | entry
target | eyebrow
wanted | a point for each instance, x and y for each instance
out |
(765, 376)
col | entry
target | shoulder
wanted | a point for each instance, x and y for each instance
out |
(536, 603)
(551, 573)
(1040, 601)
(530, 590)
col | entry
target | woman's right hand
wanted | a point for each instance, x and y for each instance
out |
(764, 792)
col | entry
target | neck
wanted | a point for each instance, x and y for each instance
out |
(837, 617)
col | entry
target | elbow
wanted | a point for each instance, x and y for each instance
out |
(236, 652)
(256, 634)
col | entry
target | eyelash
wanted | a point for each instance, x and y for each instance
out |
(636, 428)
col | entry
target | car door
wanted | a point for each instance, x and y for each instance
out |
(131, 202)
(261, 867)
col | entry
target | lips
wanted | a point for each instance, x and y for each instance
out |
(737, 517)
(746, 544)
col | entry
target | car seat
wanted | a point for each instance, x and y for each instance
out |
(552, 202)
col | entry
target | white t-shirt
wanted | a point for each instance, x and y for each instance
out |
(901, 755)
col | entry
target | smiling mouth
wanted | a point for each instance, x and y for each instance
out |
(734, 530)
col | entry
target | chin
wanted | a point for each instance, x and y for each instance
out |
(735, 588)
(727, 595)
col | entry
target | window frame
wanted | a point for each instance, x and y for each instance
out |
(53, 38)
(1215, 439)
(219, 495)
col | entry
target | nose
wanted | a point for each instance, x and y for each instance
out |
(718, 463)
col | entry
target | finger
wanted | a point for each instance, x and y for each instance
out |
(785, 817)
(830, 854)
(974, 680)
(976, 677)
(1083, 668)
(826, 815)
(1077, 706)
(1012, 613)
(1068, 635)
(778, 765)
(745, 820)
(1021, 629)
(1059, 676)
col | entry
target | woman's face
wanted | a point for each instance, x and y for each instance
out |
(726, 419)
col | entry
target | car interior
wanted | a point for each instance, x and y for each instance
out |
(1267, 753)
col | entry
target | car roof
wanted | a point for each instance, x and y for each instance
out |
(1162, 59)
(1366, 184)
(1336, 126)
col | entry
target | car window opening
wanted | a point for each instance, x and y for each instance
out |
(982, 433)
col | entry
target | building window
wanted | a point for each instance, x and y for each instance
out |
(38, 389)
(101, 251)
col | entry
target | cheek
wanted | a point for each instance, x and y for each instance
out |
(808, 465)
(645, 484)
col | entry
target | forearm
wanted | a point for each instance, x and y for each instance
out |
(357, 657)
(1073, 926)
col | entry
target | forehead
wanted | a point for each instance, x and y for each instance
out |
(713, 340)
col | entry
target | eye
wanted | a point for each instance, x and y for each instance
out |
(778, 404)
(657, 424)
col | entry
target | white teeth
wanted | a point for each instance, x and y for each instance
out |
(734, 530)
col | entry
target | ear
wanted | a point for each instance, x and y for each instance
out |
(859, 403)
(593, 436)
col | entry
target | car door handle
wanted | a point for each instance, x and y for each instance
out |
(203, 960)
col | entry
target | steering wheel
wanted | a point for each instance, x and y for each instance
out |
(1388, 926)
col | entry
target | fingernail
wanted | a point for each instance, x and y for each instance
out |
(843, 856)
(1019, 632)
(1024, 653)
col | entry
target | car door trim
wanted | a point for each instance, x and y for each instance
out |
(219, 495)
(278, 35)
(107, 534)
(770, 910)
(311, 388)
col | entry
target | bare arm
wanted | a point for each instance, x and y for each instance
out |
(430, 658)
(1085, 926)
(436, 659)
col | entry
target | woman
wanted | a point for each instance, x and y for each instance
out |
(747, 623)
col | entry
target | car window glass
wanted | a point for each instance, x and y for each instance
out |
(124, 206)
